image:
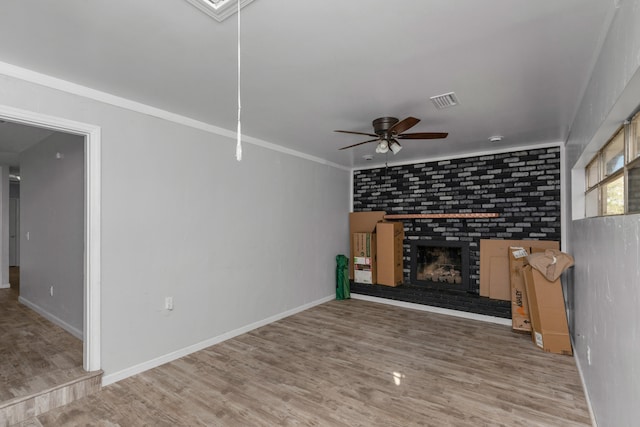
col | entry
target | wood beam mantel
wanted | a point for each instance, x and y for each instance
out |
(442, 215)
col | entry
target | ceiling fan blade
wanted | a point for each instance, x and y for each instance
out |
(359, 143)
(403, 125)
(357, 133)
(423, 135)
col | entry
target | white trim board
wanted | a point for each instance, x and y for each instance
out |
(594, 423)
(76, 89)
(92, 141)
(438, 310)
(153, 363)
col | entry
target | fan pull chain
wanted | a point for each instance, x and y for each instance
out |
(386, 163)
(239, 132)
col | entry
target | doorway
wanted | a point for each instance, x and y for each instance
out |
(92, 187)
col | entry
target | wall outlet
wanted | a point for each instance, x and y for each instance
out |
(168, 303)
(51, 290)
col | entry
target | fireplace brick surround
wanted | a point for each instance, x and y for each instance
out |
(523, 187)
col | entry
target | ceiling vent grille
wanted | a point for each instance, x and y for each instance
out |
(219, 9)
(445, 100)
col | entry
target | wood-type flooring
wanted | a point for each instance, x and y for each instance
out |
(35, 354)
(348, 363)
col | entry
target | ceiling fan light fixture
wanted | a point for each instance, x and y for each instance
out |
(383, 147)
(395, 147)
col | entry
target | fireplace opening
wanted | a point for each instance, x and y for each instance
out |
(440, 264)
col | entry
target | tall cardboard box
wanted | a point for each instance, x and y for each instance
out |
(520, 317)
(389, 260)
(494, 265)
(549, 328)
(362, 222)
(364, 259)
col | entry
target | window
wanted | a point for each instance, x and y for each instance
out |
(613, 154)
(633, 181)
(634, 138)
(593, 175)
(613, 196)
(613, 175)
(592, 203)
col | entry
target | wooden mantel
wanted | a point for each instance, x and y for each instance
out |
(442, 215)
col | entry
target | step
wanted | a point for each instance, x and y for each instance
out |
(22, 408)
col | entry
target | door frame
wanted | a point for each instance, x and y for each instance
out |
(14, 218)
(92, 209)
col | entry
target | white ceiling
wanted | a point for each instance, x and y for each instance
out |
(15, 138)
(518, 67)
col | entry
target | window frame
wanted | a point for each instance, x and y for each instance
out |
(603, 179)
(632, 144)
(632, 165)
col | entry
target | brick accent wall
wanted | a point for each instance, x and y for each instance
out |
(522, 186)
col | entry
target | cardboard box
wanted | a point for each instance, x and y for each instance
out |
(364, 262)
(549, 327)
(520, 318)
(362, 222)
(364, 246)
(389, 260)
(362, 274)
(494, 265)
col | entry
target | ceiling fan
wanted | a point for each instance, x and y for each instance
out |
(388, 130)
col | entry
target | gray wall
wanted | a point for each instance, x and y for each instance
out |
(603, 288)
(233, 243)
(52, 212)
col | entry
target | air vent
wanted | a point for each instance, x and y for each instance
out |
(445, 100)
(219, 9)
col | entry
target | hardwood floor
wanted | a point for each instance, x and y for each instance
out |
(40, 363)
(14, 277)
(349, 363)
(35, 354)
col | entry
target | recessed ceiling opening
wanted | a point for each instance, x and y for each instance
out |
(219, 9)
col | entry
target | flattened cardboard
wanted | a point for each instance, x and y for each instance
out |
(549, 327)
(390, 236)
(494, 265)
(519, 303)
(362, 222)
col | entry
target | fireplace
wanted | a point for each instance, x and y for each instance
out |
(440, 264)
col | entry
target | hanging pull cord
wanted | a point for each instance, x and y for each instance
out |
(239, 133)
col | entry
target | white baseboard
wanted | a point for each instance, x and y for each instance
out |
(150, 364)
(52, 318)
(5, 285)
(446, 311)
(594, 423)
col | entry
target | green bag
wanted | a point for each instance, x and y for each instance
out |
(342, 278)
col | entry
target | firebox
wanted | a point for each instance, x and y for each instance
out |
(440, 264)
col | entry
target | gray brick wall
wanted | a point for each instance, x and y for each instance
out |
(523, 187)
